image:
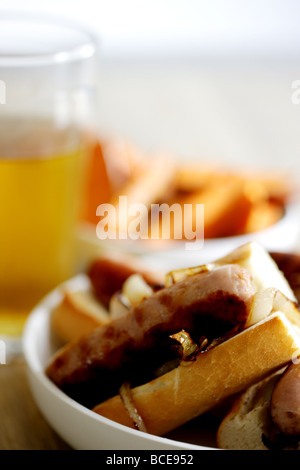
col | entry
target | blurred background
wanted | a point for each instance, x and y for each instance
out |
(202, 79)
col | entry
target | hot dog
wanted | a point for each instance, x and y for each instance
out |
(204, 336)
(134, 345)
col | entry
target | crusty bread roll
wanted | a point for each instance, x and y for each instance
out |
(266, 415)
(256, 260)
(248, 419)
(198, 386)
(265, 272)
(78, 313)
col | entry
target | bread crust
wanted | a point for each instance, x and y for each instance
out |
(196, 387)
(249, 418)
(78, 313)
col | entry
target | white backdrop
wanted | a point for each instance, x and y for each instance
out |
(203, 79)
(176, 27)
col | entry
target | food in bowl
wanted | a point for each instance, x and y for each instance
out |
(181, 344)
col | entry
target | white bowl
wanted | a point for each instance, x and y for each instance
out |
(282, 236)
(80, 427)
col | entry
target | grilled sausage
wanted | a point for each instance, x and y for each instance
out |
(107, 275)
(134, 345)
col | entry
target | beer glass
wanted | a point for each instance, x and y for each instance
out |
(48, 70)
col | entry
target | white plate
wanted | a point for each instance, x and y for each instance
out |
(80, 427)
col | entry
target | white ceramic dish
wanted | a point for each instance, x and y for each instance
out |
(82, 428)
(282, 236)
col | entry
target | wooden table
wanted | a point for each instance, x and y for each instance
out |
(22, 426)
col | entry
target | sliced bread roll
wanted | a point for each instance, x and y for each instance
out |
(255, 259)
(78, 313)
(249, 418)
(196, 387)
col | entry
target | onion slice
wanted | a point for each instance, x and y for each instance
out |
(179, 274)
(272, 300)
(126, 397)
(188, 347)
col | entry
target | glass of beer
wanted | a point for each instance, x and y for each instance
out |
(48, 72)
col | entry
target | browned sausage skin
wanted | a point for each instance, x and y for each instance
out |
(131, 347)
(289, 264)
(285, 401)
(107, 275)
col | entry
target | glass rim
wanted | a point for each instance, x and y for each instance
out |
(79, 52)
